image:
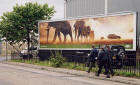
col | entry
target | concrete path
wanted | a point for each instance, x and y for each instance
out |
(19, 75)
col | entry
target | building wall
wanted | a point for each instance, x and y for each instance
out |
(75, 8)
(120, 5)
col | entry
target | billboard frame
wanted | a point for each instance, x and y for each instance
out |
(93, 16)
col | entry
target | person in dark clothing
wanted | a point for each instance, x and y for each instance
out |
(102, 62)
(109, 62)
(91, 58)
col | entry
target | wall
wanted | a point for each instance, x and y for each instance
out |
(76, 8)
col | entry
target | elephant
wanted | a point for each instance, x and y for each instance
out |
(60, 27)
(86, 32)
(81, 30)
(79, 25)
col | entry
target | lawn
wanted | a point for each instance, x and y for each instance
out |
(86, 46)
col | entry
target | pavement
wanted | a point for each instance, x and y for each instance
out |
(125, 80)
(20, 75)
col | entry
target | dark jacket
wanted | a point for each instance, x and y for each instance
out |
(109, 55)
(93, 54)
(103, 56)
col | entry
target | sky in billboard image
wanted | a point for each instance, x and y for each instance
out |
(82, 33)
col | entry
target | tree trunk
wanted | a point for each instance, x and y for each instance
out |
(28, 41)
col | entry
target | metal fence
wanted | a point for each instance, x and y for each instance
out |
(131, 67)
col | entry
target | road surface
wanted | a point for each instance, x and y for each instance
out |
(17, 75)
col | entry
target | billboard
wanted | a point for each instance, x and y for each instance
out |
(81, 33)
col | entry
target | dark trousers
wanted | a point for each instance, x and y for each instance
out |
(102, 64)
(91, 64)
(109, 65)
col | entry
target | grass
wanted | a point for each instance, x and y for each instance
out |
(66, 46)
(77, 46)
(68, 65)
(138, 64)
(75, 66)
(127, 74)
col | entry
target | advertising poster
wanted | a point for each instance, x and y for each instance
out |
(83, 32)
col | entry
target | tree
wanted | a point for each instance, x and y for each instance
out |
(22, 23)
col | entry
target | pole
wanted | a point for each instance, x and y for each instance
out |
(106, 7)
(6, 49)
(65, 1)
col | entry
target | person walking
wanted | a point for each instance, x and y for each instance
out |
(109, 61)
(91, 58)
(102, 62)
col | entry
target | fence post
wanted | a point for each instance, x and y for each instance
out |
(6, 50)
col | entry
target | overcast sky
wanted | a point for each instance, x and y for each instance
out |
(7, 5)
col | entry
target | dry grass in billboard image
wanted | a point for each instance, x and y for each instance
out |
(82, 33)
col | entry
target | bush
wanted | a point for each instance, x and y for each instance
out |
(57, 59)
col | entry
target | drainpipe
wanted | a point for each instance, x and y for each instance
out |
(65, 1)
(106, 7)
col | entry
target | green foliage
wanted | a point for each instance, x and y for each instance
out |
(74, 46)
(126, 74)
(21, 23)
(67, 46)
(57, 59)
